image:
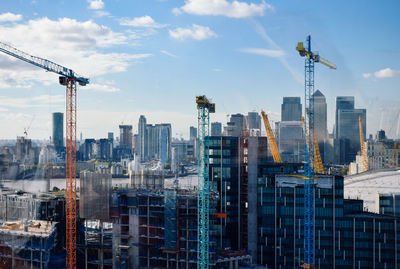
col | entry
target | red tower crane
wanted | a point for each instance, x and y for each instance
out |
(69, 79)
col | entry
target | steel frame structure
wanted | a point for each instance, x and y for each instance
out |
(70, 172)
(203, 188)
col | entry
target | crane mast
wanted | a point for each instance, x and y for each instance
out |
(204, 108)
(310, 150)
(271, 139)
(69, 79)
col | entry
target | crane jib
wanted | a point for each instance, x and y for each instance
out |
(43, 63)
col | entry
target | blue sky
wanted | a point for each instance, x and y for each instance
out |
(152, 57)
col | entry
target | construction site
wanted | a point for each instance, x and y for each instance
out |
(296, 197)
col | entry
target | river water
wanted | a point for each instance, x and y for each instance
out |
(41, 185)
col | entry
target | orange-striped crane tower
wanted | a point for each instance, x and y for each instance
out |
(69, 79)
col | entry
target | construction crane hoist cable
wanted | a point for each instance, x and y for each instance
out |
(311, 58)
(204, 108)
(69, 79)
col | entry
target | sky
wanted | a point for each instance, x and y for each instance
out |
(152, 57)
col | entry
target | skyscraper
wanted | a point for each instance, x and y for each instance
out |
(342, 102)
(216, 129)
(125, 136)
(142, 137)
(348, 132)
(291, 109)
(253, 120)
(235, 126)
(193, 132)
(320, 116)
(58, 131)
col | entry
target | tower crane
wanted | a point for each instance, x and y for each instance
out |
(364, 156)
(315, 160)
(69, 79)
(271, 139)
(311, 58)
(204, 108)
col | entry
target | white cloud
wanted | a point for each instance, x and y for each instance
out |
(383, 73)
(3, 109)
(95, 4)
(387, 73)
(68, 42)
(7, 17)
(168, 53)
(196, 32)
(264, 52)
(232, 9)
(100, 88)
(217, 70)
(144, 21)
(30, 102)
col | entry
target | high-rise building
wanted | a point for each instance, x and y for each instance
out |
(342, 102)
(320, 116)
(110, 136)
(253, 121)
(235, 126)
(142, 138)
(290, 138)
(193, 133)
(125, 136)
(216, 129)
(348, 133)
(58, 131)
(291, 109)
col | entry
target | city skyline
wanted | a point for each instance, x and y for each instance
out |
(152, 59)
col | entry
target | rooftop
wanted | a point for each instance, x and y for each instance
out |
(39, 228)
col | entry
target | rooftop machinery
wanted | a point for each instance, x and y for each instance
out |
(69, 79)
(311, 58)
(204, 108)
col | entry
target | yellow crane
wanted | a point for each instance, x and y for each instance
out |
(271, 139)
(364, 157)
(316, 161)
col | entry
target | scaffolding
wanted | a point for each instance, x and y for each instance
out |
(95, 193)
(170, 222)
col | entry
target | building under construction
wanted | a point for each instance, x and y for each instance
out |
(27, 244)
(158, 229)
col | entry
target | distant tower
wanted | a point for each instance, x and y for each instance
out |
(193, 133)
(253, 120)
(125, 136)
(216, 129)
(58, 131)
(320, 116)
(142, 138)
(291, 109)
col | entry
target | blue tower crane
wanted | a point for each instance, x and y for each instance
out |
(204, 108)
(69, 79)
(309, 175)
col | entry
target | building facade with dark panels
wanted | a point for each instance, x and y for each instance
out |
(345, 235)
(291, 109)
(158, 229)
(232, 162)
(388, 204)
